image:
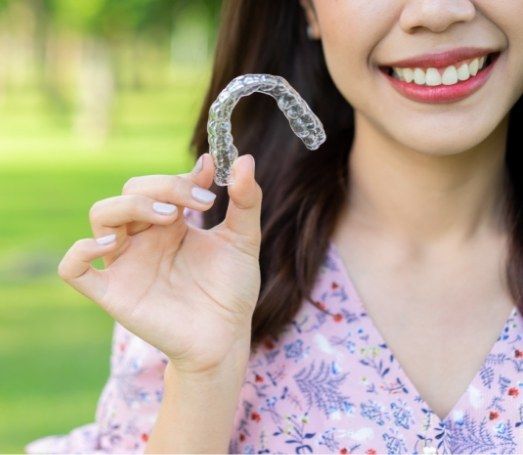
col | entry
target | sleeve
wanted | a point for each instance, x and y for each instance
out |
(129, 402)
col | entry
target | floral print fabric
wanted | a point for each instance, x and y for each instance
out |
(328, 384)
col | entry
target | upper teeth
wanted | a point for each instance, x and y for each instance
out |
(437, 76)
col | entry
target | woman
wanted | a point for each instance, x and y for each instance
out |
(240, 329)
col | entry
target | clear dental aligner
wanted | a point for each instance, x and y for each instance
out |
(305, 124)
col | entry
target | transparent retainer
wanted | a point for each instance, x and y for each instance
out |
(304, 123)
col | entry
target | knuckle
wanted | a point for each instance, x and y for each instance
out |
(176, 183)
(130, 185)
(95, 210)
(63, 266)
(78, 247)
(99, 209)
(62, 270)
(172, 186)
(132, 204)
(248, 243)
(178, 179)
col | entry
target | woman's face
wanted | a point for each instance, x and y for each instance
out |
(359, 36)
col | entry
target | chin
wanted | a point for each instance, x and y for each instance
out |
(447, 137)
(453, 142)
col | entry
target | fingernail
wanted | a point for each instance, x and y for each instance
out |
(163, 208)
(202, 195)
(198, 166)
(106, 239)
(253, 162)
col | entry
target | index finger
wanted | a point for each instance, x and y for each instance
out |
(183, 190)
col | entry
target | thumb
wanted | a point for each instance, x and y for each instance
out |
(244, 209)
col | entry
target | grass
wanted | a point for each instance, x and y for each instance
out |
(54, 342)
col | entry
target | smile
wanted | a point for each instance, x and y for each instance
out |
(441, 84)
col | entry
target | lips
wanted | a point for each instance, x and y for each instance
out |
(442, 93)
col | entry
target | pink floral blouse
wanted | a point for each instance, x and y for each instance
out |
(329, 384)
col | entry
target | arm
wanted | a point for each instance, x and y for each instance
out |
(198, 409)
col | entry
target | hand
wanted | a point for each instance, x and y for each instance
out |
(190, 292)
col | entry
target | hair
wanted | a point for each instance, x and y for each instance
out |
(305, 192)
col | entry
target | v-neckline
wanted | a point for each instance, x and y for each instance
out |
(377, 334)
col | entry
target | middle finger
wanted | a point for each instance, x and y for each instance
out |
(110, 214)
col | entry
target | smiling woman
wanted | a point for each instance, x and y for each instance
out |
(367, 296)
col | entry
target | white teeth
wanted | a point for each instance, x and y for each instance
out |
(408, 74)
(474, 67)
(433, 77)
(463, 72)
(447, 76)
(398, 72)
(450, 76)
(419, 76)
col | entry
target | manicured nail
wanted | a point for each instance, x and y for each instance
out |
(106, 240)
(198, 166)
(202, 195)
(163, 208)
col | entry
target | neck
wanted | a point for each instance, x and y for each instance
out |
(426, 200)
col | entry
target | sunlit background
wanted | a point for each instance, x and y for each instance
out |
(92, 92)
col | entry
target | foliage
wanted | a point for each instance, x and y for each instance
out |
(54, 343)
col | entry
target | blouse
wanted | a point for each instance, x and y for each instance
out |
(328, 384)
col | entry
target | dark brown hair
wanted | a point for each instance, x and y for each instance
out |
(303, 191)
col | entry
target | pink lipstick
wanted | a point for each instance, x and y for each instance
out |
(441, 93)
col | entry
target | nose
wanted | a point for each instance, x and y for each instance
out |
(435, 15)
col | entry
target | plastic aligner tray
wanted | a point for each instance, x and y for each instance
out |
(304, 123)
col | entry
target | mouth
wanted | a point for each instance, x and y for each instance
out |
(445, 75)
(442, 84)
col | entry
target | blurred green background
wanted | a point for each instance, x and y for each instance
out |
(92, 92)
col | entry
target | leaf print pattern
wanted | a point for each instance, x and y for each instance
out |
(394, 442)
(296, 433)
(294, 350)
(487, 376)
(374, 411)
(327, 384)
(402, 414)
(320, 386)
(328, 439)
(473, 437)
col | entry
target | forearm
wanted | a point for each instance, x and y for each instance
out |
(197, 410)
